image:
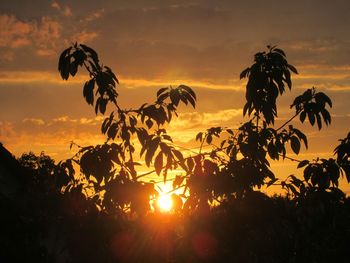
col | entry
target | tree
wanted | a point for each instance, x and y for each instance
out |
(110, 168)
(239, 165)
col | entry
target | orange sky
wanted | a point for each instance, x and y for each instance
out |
(152, 44)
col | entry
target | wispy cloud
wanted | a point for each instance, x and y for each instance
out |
(34, 121)
(53, 77)
(95, 15)
(84, 36)
(64, 10)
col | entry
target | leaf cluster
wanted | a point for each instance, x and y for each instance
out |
(313, 104)
(268, 78)
(103, 81)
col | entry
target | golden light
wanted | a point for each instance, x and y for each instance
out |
(165, 203)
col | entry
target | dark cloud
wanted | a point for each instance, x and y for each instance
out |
(148, 39)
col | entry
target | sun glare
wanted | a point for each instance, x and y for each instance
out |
(165, 203)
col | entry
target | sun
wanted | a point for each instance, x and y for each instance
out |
(165, 203)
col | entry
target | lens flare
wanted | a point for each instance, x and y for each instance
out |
(164, 202)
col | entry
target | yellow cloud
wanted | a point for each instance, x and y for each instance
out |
(38, 76)
(34, 121)
(45, 77)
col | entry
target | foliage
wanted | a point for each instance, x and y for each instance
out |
(111, 166)
(241, 162)
(96, 207)
(267, 78)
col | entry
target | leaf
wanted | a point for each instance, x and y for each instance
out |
(158, 163)
(88, 91)
(192, 101)
(97, 104)
(160, 91)
(167, 137)
(303, 163)
(64, 63)
(244, 73)
(319, 122)
(271, 182)
(288, 79)
(112, 74)
(295, 144)
(301, 136)
(307, 172)
(178, 154)
(142, 135)
(112, 131)
(322, 96)
(151, 149)
(245, 109)
(162, 97)
(73, 68)
(190, 163)
(103, 105)
(175, 97)
(189, 90)
(296, 181)
(271, 150)
(166, 149)
(280, 51)
(183, 98)
(161, 116)
(302, 116)
(326, 116)
(149, 123)
(292, 68)
(199, 136)
(178, 181)
(311, 118)
(209, 139)
(293, 189)
(92, 52)
(346, 169)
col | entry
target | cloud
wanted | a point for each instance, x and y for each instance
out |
(132, 83)
(79, 121)
(7, 56)
(340, 88)
(35, 121)
(44, 37)
(188, 120)
(94, 15)
(55, 135)
(63, 10)
(319, 51)
(14, 33)
(6, 130)
(38, 77)
(185, 127)
(84, 36)
(41, 34)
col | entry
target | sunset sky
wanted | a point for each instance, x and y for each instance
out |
(153, 44)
